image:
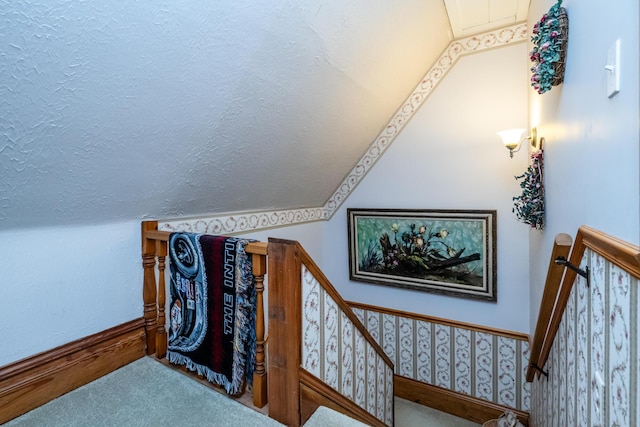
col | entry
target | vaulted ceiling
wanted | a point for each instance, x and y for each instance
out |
(119, 110)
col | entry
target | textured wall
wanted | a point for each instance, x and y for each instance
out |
(117, 110)
(241, 222)
(592, 155)
(448, 156)
(62, 284)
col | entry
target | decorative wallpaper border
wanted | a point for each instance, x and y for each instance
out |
(593, 366)
(243, 222)
(485, 364)
(449, 57)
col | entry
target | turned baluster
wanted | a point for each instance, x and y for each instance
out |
(149, 285)
(259, 266)
(161, 336)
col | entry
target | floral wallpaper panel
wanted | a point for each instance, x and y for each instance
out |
(481, 364)
(337, 353)
(593, 367)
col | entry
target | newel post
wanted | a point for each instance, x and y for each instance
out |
(149, 285)
(285, 331)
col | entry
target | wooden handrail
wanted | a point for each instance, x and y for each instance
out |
(561, 248)
(618, 252)
(342, 304)
(285, 262)
(333, 400)
(286, 375)
(440, 321)
(154, 245)
(614, 250)
(258, 248)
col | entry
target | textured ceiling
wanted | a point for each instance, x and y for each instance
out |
(123, 110)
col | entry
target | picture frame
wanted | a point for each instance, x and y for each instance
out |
(451, 252)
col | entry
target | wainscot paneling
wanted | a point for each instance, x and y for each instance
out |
(593, 376)
(336, 352)
(483, 363)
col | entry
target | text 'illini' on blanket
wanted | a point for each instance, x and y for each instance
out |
(212, 308)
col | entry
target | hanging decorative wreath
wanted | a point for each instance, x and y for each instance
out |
(550, 36)
(529, 206)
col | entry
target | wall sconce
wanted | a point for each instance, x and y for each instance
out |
(513, 142)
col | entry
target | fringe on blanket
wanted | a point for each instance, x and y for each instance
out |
(245, 344)
(233, 388)
(244, 354)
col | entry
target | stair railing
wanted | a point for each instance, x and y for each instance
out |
(320, 357)
(556, 296)
(294, 389)
(154, 245)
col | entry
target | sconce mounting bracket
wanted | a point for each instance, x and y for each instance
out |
(533, 137)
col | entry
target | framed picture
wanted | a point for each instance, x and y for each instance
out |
(450, 252)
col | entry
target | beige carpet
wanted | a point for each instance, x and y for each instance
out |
(411, 414)
(144, 393)
(148, 393)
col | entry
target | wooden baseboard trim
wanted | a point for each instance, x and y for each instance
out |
(315, 393)
(34, 381)
(458, 404)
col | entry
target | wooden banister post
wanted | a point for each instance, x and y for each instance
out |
(285, 331)
(259, 266)
(149, 285)
(161, 336)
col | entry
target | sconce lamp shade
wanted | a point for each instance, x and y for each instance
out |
(511, 138)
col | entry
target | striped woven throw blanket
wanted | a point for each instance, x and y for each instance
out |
(212, 308)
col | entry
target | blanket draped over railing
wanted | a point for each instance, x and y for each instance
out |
(212, 308)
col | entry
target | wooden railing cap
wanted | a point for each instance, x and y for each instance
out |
(563, 239)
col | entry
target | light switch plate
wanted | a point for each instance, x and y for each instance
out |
(613, 69)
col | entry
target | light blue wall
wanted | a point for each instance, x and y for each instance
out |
(61, 284)
(449, 157)
(591, 150)
(64, 283)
